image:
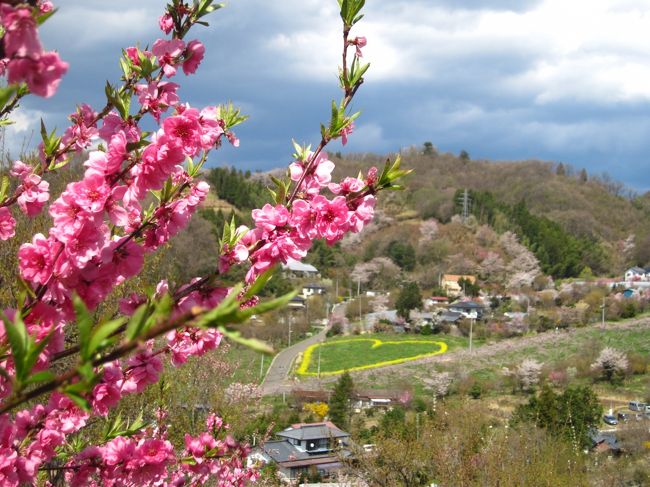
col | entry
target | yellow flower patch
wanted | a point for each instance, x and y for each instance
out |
(396, 352)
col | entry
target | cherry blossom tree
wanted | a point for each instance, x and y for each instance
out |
(610, 363)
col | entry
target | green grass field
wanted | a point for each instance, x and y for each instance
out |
(370, 351)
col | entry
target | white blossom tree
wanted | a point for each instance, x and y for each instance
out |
(528, 372)
(610, 363)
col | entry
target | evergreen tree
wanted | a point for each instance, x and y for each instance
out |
(402, 253)
(409, 298)
(340, 401)
(572, 414)
(583, 176)
(560, 170)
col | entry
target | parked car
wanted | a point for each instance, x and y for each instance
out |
(637, 406)
(610, 419)
(623, 417)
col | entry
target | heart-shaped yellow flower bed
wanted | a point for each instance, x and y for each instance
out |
(337, 356)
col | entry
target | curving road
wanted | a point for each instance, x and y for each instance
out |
(276, 380)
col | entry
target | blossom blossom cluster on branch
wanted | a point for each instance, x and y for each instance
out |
(104, 226)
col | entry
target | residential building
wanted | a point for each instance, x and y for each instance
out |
(305, 446)
(469, 309)
(295, 269)
(636, 274)
(313, 289)
(449, 283)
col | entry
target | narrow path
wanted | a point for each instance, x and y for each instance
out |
(276, 380)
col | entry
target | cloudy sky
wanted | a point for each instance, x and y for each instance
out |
(561, 80)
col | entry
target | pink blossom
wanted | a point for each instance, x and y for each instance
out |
(271, 217)
(191, 342)
(91, 193)
(144, 369)
(347, 186)
(106, 394)
(371, 178)
(81, 243)
(84, 127)
(42, 76)
(229, 257)
(321, 168)
(346, 131)
(7, 224)
(34, 195)
(168, 53)
(126, 257)
(166, 23)
(20, 170)
(45, 6)
(64, 415)
(359, 42)
(184, 131)
(67, 213)
(118, 450)
(193, 56)
(303, 217)
(20, 37)
(36, 259)
(113, 124)
(331, 218)
(363, 214)
(155, 98)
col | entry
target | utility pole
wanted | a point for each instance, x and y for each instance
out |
(359, 297)
(262, 367)
(471, 326)
(290, 321)
(319, 347)
(603, 312)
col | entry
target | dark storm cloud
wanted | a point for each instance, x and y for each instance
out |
(490, 77)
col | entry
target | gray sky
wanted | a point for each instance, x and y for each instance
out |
(562, 80)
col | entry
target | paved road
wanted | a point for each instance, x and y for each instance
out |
(276, 380)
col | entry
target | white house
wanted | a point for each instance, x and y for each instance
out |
(293, 268)
(636, 274)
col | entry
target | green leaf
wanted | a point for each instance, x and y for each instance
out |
(136, 322)
(102, 333)
(252, 343)
(34, 350)
(85, 326)
(6, 93)
(4, 186)
(43, 376)
(77, 398)
(260, 282)
(18, 338)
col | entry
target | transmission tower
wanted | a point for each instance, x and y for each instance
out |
(466, 202)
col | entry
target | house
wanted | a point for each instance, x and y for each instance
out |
(450, 317)
(449, 283)
(469, 309)
(636, 274)
(313, 289)
(435, 301)
(295, 269)
(389, 315)
(297, 302)
(604, 442)
(302, 447)
(377, 399)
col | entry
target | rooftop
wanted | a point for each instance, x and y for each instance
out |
(313, 431)
(295, 266)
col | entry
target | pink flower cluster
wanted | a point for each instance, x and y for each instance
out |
(150, 460)
(33, 436)
(281, 234)
(33, 191)
(25, 60)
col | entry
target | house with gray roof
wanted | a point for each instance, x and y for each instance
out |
(294, 268)
(305, 446)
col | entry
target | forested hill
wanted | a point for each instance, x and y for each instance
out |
(573, 222)
(595, 207)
